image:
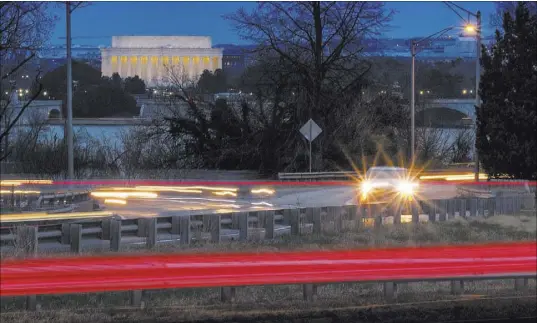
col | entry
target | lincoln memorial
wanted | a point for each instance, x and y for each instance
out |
(159, 60)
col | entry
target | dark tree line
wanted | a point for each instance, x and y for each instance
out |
(95, 96)
(507, 118)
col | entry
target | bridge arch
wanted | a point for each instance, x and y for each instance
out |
(443, 117)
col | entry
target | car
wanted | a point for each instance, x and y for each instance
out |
(384, 184)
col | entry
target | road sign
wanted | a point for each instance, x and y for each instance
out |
(310, 130)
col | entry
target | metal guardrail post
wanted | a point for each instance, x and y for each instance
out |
(215, 227)
(333, 213)
(76, 237)
(66, 233)
(234, 221)
(489, 207)
(269, 224)
(431, 211)
(286, 217)
(309, 292)
(473, 206)
(31, 303)
(151, 226)
(115, 234)
(176, 224)
(185, 224)
(389, 291)
(521, 284)
(294, 221)
(136, 298)
(457, 287)
(142, 228)
(415, 213)
(260, 215)
(105, 229)
(227, 294)
(481, 206)
(317, 220)
(243, 225)
(462, 208)
(206, 219)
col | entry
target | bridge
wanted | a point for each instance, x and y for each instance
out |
(446, 112)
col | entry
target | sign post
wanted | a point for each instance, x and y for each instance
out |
(310, 131)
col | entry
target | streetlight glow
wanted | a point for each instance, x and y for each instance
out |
(470, 28)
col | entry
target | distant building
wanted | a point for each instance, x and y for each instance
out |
(155, 58)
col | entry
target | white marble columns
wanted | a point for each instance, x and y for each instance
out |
(154, 69)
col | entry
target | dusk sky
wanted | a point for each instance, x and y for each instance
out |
(98, 22)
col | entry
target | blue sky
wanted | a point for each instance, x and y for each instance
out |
(98, 22)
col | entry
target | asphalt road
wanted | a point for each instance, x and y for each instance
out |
(288, 198)
(184, 203)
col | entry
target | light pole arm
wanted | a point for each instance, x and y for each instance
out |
(414, 43)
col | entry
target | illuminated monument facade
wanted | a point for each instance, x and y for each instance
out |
(159, 60)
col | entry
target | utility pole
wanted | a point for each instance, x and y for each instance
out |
(413, 103)
(477, 81)
(69, 125)
(413, 52)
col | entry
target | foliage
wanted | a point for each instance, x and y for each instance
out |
(46, 154)
(496, 18)
(24, 28)
(94, 96)
(212, 83)
(55, 81)
(134, 85)
(507, 118)
(316, 70)
(104, 100)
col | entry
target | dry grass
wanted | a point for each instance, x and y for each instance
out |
(189, 304)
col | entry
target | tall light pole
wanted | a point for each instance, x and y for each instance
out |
(69, 125)
(477, 29)
(413, 53)
(413, 102)
(477, 81)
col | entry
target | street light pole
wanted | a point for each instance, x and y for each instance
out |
(477, 81)
(413, 52)
(413, 102)
(69, 126)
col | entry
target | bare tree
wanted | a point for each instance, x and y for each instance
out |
(24, 28)
(321, 43)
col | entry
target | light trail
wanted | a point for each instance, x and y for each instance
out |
(18, 182)
(18, 217)
(115, 201)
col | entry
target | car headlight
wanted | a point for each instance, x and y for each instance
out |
(366, 187)
(406, 188)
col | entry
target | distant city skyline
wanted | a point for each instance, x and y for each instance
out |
(98, 22)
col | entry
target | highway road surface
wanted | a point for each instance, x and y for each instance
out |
(299, 197)
(153, 202)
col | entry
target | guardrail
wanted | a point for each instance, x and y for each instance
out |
(242, 226)
(389, 267)
(19, 200)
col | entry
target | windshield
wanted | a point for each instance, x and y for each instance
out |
(386, 173)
